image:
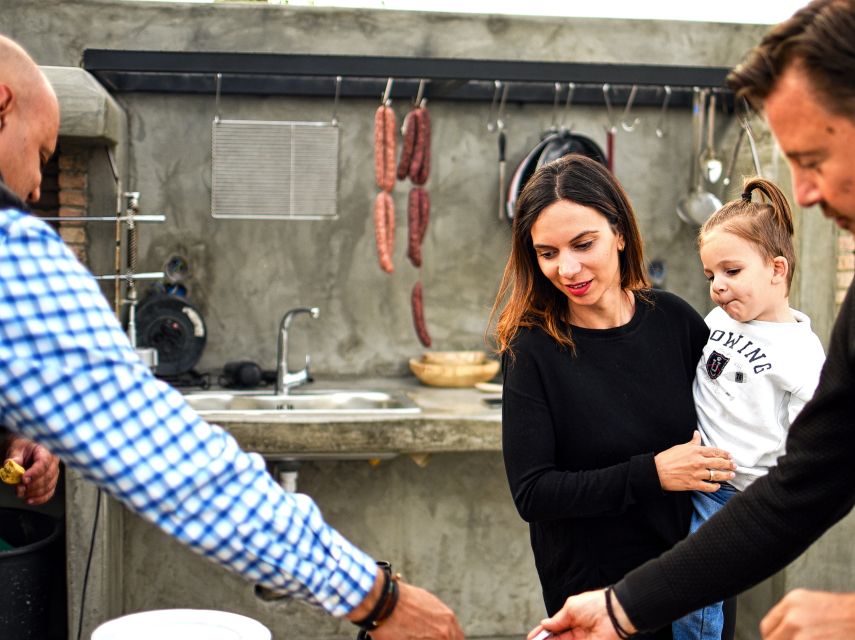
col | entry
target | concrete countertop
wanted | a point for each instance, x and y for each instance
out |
(451, 420)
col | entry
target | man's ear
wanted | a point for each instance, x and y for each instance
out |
(780, 269)
(6, 98)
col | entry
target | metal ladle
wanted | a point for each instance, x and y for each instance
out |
(697, 205)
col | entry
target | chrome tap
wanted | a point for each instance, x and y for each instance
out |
(285, 379)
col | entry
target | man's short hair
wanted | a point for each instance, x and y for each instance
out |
(820, 38)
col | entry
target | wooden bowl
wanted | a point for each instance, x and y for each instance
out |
(453, 375)
(454, 357)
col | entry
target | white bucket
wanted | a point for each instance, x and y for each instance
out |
(182, 624)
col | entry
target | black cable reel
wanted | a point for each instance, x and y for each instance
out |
(172, 326)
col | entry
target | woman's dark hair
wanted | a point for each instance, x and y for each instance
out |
(820, 39)
(767, 225)
(532, 300)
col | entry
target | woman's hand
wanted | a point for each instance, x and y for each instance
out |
(694, 467)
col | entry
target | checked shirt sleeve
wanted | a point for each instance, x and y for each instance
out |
(70, 379)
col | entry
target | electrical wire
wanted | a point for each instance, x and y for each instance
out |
(88, 563)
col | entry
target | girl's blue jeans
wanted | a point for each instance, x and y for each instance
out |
(706, 623)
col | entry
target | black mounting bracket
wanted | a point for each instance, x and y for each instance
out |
(312, 75)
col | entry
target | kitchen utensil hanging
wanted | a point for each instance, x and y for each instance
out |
(274, 170)
(611, 130)
(728, 176)
(557, 142)
(498, 124)
(698, 204)
(552, 146)
(711, 165)
(745, 123)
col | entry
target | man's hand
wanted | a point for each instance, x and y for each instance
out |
(584, 617)
(419, 615)
(42, 467)
(810, 615)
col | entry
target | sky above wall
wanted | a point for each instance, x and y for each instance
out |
(740, 11)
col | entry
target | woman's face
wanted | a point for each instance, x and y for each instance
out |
(578, 252)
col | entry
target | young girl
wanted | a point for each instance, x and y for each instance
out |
(761, 362)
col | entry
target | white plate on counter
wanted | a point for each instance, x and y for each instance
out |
(489, 387)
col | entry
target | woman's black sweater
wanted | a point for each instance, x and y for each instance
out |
(579, 435)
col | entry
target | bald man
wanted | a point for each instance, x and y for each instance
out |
(29, 119)
(70, 380)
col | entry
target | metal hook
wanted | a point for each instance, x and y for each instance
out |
(420, 93)
(623, 123)
(500, 116)
(557, 95)
(334, 120)
(660, 126)
(611, 128)
(495, 120)
(571, 87)
(217, 99)
(384, 99)
(491, 119)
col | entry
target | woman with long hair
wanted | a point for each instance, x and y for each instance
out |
(598, 420)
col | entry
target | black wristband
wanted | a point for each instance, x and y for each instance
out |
(385, 604)
(622, 633)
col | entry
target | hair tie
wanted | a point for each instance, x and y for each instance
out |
(746, 196)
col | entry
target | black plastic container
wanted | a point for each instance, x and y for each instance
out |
(28, 573)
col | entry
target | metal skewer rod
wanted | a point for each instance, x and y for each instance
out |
(144, 218)
(131, 276)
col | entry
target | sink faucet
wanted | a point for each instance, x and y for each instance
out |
(285, 379)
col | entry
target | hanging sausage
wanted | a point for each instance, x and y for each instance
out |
(384, 175)
(415, 164)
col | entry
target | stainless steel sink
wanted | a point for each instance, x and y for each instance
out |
(305, 402)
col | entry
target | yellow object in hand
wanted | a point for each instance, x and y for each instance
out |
(11, 472)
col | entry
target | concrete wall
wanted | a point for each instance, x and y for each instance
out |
(245, 274)
(451, 525)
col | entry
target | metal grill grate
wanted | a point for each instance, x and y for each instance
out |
(274, 170)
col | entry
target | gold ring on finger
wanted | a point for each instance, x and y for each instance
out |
(711, 475)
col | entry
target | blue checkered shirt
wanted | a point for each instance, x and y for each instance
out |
(70, 379)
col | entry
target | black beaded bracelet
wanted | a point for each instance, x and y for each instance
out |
(622, 633)
(385, 604)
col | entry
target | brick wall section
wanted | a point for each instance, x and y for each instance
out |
(73, 198)
(845, 265)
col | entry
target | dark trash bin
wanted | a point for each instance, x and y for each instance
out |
(28, 572)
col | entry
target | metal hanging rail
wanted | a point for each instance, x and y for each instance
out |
(365, 76)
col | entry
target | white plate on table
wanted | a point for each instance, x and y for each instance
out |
(182, 624)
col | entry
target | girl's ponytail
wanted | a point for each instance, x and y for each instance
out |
(774, 197)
